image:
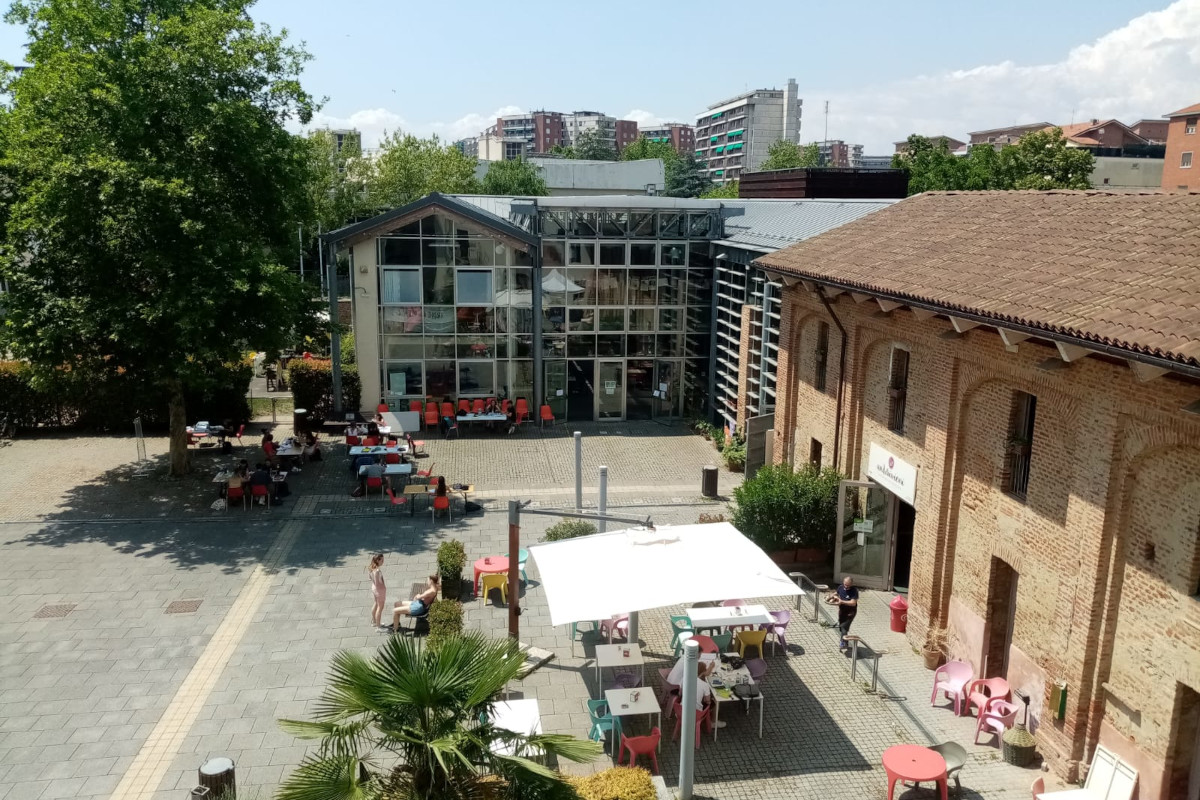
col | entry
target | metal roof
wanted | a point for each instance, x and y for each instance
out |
(454, 203)
(768, 225)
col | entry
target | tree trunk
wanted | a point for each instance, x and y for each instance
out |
(179, 446)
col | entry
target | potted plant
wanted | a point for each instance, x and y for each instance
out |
(734, 453)
(934, 650)
(451, 559)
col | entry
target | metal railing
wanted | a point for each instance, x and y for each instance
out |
(817, 590)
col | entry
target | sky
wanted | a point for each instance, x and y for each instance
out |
(887, 69)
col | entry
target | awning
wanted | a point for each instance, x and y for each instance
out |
(735, 133)
(594, 577)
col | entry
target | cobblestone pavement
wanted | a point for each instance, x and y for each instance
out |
(121, 699)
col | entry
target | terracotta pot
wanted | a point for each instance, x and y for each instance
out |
(933, 659)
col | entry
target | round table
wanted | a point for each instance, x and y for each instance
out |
(913, 763)
(498, 564)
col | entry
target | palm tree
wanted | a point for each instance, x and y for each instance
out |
(413, 723)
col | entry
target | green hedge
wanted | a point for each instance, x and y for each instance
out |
(312, 386)
(780, 508)
(445, 621)
(568, 529)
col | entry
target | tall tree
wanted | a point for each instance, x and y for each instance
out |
(644, 148)
(687, 177)
(415, 723)
(337, 179)
(563, 150)
(517, 176)
(408, 168)
(588, 145)
(155, 190)
(932, 167)
(789, 155)
(1042, 160)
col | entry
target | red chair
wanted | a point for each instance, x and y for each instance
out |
(235, 493)
(258, 490)
(703, 718)
(547, 415)
(522, 410)
(464, 406)
(240, 431)
(983, 691)
(414, 406)
(441, 504)
(374, 483)
(391, 458)
(952, 679)
(414, 445)
(371, 441)
(448, 410)
(425, 473)
(192, 441)
(381, 408)
(504, 405)
(640, 746)
(477, 406)
(396, 501)
(353, 441)
(431, 418)
(707, 645)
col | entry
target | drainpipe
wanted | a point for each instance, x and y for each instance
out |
(837, 430)
(335, 343)
(535, 263)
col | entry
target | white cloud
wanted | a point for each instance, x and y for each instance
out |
(645, 119)
(374, 123)
(470, 125)
(1141, 70)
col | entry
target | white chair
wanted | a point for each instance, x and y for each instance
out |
(1108, 778)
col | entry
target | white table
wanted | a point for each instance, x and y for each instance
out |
(730, 678)
(496, 417)
(621, 703)
(613, 655)
(728, 616)
(289, 452)
(378, 450)
(518, 716)
(388, 469)
(1071, 794)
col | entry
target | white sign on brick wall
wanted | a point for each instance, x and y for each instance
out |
(894, 474)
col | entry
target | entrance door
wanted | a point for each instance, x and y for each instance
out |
(581, 390)
(640, 390)
(863, 546)
(906, 518)
(610, 390)
(669, 385)
(1001, 615)
(556, 388)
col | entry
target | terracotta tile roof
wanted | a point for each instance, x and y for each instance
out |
(1189, 110)
(1118, 269)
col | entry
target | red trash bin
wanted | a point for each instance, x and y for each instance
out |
(899, 608)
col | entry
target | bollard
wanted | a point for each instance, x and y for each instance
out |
(818, 590)
(853, 640)
(875, 672)
(602, 505)
(708, 481)
(578, 471)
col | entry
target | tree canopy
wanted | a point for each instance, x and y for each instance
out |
(154, 191)
(1040, 160)
(687, 177)
(644, 148)
(517, 176)
(590, 146)
(721, 191)
(408, 168)
(789, 155)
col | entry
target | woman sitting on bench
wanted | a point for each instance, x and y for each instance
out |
(419, 605)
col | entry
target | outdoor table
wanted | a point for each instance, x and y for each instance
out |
(223, 476)
(1070, 794)
(495, 417)
(518, 716)
(621, 703)
(910, 762)
(378, 450)
(487, 565)
(388, 469)
(728, 616)
(289, 452)
(722, 682)
(613, 655)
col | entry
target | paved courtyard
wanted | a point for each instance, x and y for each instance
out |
(142, 632)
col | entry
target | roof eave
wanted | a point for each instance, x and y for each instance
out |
(436, 199)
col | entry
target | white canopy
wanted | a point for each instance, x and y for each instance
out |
(594, 577)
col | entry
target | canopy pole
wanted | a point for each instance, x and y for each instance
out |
(578, 471)
(687, 705)
(602, 506)
(514, 573)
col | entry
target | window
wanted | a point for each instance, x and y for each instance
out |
(897, 389)
(1189, 126)
(1185, 161)
(401, 286)
(1019, 445)
(814, 452)
(822, 359)
(474, 286)
(404, 378)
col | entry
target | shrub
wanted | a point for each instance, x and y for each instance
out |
(568, 529)
(451, 558)
(779, 508)
(445, 621)
(718, 438)
(348, 353)
(734, 453)
(617, 783)
(312, 386)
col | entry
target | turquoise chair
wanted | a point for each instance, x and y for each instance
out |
(680, 623)
(575, 626)
(723, 640)
(522, 557)
(602, 723)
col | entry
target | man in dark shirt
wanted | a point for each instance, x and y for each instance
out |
(261, 477)
(847, 603)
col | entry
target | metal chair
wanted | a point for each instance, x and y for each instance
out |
(955, 756)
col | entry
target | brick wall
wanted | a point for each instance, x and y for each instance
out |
(1103, 548)
(1178, 143)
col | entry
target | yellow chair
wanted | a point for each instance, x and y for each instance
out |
(750, 639)
(495, 580)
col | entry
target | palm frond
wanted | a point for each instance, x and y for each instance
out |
(565, 746)
(334, 778)
(336, 739)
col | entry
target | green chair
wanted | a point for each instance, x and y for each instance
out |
(723, 640)
(680, 623)
(602, 721)
(575, 626)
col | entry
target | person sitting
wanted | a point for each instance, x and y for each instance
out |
(512, 418)
(372, 470)
(262, 477)
(270, 449)
(419, 605)
(379, 418)
(373, 429)
(360, 462)
(440, 491)
(312, 450)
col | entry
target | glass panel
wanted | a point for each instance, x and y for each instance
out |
(503, 253)
(612, 319)
(699, 320)
(501, 350)
(613, 223)
(640, 389)
(475, 319)
(670, 287)
(439, 252)
(439, 285)
(585, 279)
(643, 287)
(863, 547)
(520, 347)
(476, 378)
(584, 223)
(641, 224)
(552, 255)
(641, 345)
(642, 255)
(556, 387)
(673, 254)
(474, 286)
(611, 287)
(439, 347)
(400, 252)
(581, 253)
(403, 347)
(556, 288)
(670, 319)
(610, 345)
(610, 389)
(520, 320)
(476, 347)
(514, 287)
(554, 320)
(403, 378)
(612, 255)
(554, 347)
(581, 346)
(697, 346)
(641, 319)
(521, 258)
(437, 225)
(670, 402)
(439, 319)
(475, 253)
(699, 225)
(554, 223)
(670, 345)
(698, 256)
(671, 225)
(402, 319)
(699, 287)
(411, 229)
(401, 286)
(581, 319)
(516, 379)
(439, 379)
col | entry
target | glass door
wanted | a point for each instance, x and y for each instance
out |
(669, 385)
(556, 389)
(863, 546)
(610, 390)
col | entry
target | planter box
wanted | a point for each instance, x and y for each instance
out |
(783, 557)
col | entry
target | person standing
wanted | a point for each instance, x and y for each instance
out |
(378, 589)
(846, 599)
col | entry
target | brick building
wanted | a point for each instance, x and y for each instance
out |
(680, 136)
(1182, 167)
(1013, 379)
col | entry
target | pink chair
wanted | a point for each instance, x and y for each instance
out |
(981, 692)
(670, 691)
(995, 718)
(952, 678)
(707, 645)
(703, 719)
(777, 630)
(1039, 786)
(618, 624)
(730, 604)
(640, 746)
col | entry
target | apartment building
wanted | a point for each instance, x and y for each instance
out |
(1022, 455)
(539, 130)
(732, 136)
(1181, 169)
(680, 136)
(836, 153)
(616, 133)
(953, 144)
(998, 137)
